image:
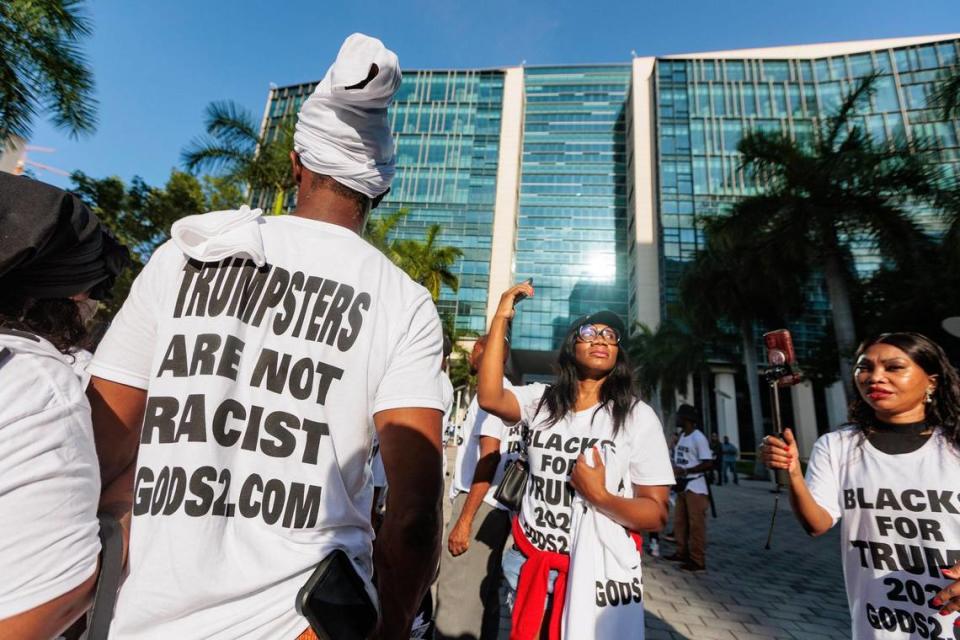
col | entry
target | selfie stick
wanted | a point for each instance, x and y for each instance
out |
(781, 475)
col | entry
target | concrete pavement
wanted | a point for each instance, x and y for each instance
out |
(794, 591)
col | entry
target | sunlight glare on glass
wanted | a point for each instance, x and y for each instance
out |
(601, 267)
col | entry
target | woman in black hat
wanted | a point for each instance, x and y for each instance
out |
(56, 261)
(590, 410)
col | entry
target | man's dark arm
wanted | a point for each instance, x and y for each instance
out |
(486, 468)
(408, 545)
(117, 412)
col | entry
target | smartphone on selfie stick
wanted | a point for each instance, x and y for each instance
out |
(780, 373)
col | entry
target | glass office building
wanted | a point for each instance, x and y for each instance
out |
(447, 128)
(572, 215)
(594, 180)
(705, 106)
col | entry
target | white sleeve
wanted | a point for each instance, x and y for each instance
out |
(412, 378)
(126, 352)
(649, 457)
(704, 452)
(528, 397)
(822, 476)
(49, 489)
(490, 425)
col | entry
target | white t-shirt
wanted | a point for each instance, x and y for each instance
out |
(262, 383)
(899, 525)
(546, 510)
(447, 391)
(480, 423)
(690, 451)
(49, 476)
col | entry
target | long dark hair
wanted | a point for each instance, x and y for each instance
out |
(54, 319)
(617, 395)
(944, 409)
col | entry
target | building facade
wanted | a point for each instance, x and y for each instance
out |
(592, 179)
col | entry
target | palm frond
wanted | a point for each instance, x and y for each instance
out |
(231, 124)
(207, 153)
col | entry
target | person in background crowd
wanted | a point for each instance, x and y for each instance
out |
(252, 363)
(729, 454)
(593, 403)
(692, 458)
(56, 262)
(447, 390)
(890, 478)
(468, 588)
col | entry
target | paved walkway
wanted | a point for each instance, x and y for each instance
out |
(794, 591)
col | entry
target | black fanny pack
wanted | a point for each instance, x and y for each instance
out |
(681, 483)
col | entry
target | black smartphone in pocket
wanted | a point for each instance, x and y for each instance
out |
(335, 601)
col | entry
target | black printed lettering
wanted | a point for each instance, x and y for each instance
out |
(175, 359)
(158, 416)
(282, 320)
(355, 319)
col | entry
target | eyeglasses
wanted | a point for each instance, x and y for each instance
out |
(589, 333)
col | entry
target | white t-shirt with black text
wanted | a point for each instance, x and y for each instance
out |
(546, 509)
(480, 423)
(692, 450)
(262, 385)
(49, 475)
(899, 526)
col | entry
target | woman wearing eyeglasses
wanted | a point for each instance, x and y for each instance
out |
(891, 478)
(592, 406)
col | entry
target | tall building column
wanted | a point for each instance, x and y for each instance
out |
(804, 417)
(645, 281)
(836, 400)
(508, 190)
(725, 392)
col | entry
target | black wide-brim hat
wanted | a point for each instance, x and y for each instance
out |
(606, 317)
(52, 245)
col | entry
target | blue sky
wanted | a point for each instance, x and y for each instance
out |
(158, 64)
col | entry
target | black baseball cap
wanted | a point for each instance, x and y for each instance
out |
(688, 412)
(606, 317)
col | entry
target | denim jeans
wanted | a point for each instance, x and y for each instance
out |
(512, 562)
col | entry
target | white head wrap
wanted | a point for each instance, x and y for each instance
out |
(343, 132)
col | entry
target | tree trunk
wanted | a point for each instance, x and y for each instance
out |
(278, 201)
(842, 312)
(753, 387)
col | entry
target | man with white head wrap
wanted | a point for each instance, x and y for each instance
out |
(261, 355)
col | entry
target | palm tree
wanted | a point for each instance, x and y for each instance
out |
(232, 146)
(664, 359)
(427, 263)
(947, 95)
(815, 197)
(379, 230)
(42, 67)
(730, 281)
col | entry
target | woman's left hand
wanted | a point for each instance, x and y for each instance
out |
(948, 600)
(590, 482)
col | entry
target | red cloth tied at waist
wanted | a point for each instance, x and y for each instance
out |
(531, 600)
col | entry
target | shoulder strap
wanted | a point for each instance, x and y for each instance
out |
(5, 355)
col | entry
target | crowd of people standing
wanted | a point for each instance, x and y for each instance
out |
(272, 386)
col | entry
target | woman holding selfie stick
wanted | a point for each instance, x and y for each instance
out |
(591, 410)
(892, 479)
